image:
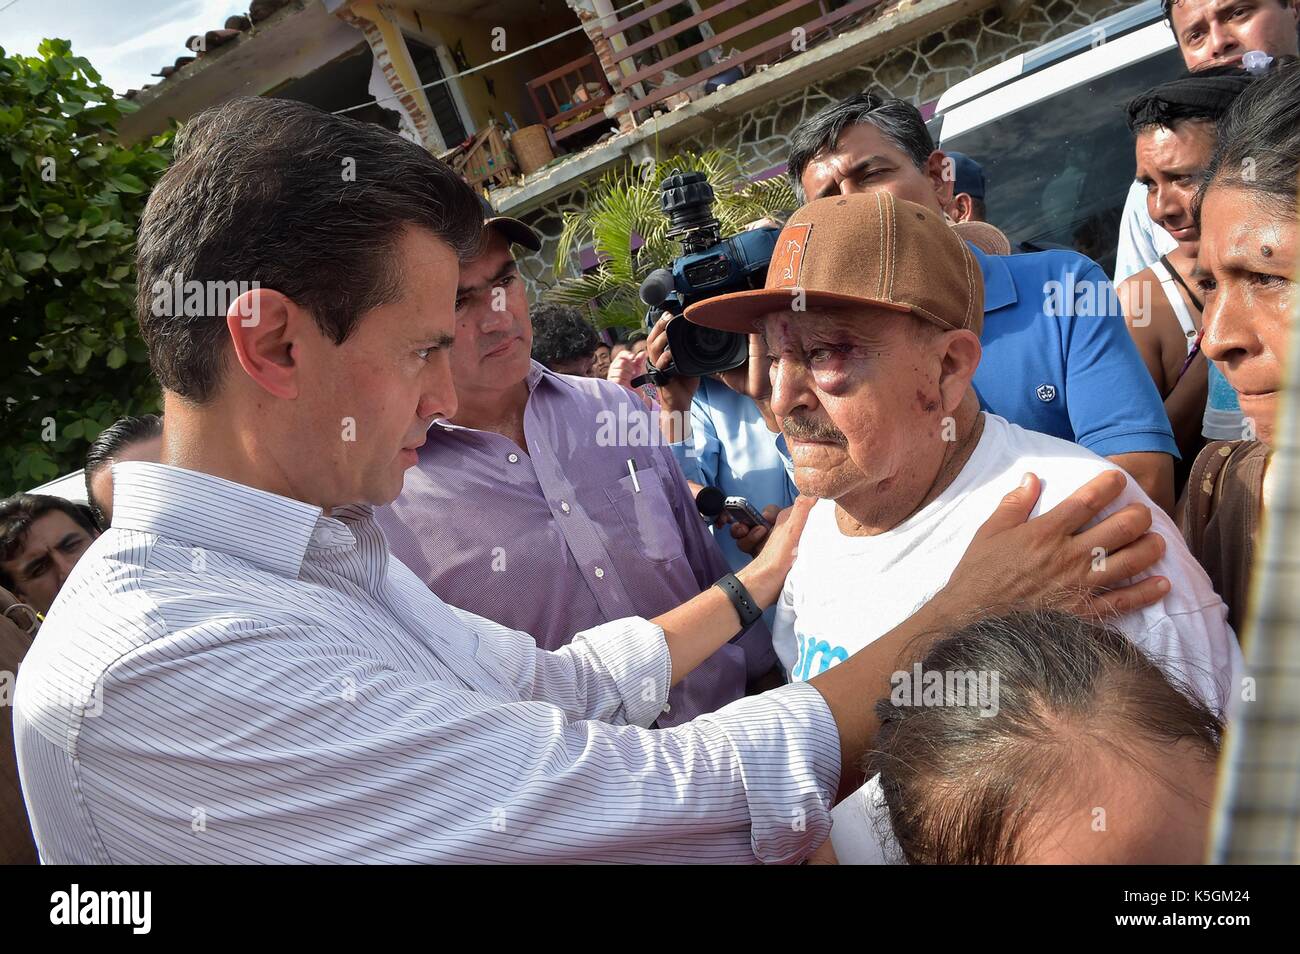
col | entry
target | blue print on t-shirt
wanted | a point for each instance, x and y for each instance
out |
(816, 656)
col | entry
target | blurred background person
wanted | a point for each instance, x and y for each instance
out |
(966, 210)
(636, 341)
(967, 203)
(564, 340)
(41, 540)
(600, 366)
(127, 438)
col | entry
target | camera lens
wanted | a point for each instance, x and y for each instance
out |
(708, 345)
(698, 350)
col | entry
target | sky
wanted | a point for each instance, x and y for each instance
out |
(126, 40)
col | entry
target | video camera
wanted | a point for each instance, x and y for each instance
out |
(707, 267)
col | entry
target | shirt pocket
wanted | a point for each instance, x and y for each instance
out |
(646, 516)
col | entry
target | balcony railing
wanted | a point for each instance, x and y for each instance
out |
(644, 67)
(583, 91)
(572, 98)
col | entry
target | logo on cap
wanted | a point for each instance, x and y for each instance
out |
(787, 260)
(1046, 392)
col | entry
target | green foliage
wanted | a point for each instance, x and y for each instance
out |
(626, 203)
(70, 199)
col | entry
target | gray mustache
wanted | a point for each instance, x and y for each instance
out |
(802, 429)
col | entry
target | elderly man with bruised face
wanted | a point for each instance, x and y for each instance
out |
(1057, 356)
(871, 315)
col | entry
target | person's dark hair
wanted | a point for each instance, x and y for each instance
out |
(1168, 6)
(963, 785)
(1203, 96)
(561, 334)
(977, 207)
(19, 512)
(112, 440)
(636, 336)
(1258, 149)
(300, 201)
(898, 121)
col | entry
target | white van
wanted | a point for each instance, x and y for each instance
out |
(1049, 129)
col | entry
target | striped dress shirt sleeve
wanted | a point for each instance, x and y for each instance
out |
(195, 697)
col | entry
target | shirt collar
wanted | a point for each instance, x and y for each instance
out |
(536, 373)
(999, 288)
(265, 529)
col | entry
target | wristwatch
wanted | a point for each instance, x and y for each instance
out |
(746, 607)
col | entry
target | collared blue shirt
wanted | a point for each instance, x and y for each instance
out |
(1058, 358)
(731, 448)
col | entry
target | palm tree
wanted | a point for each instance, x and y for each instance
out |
(624, 206)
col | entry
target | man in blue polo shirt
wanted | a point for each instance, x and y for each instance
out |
(1058, 358)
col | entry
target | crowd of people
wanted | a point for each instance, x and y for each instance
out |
(409, 570)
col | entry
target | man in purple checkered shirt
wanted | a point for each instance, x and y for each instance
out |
(550, 504)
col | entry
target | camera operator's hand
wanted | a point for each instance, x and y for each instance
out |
(674, 397)
(750, 539)
(626, 366)
(753, 378)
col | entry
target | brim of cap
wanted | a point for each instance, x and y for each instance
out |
(741, 311)
(515, 231)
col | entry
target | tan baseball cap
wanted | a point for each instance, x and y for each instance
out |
(846, 251)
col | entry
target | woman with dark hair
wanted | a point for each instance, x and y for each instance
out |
(1246, 211)
(1036, 738)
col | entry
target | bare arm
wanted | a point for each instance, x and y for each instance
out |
(1138, 301)
(1154, 473)
(1185, 404)
(697, 628)
(1046, 561)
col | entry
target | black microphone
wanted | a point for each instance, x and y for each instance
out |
(656, 287)
(710, 501)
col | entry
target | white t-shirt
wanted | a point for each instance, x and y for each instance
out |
(845, 592)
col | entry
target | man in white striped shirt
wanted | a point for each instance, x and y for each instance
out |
(238, 671)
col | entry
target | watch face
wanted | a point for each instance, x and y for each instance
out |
(23, 616)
